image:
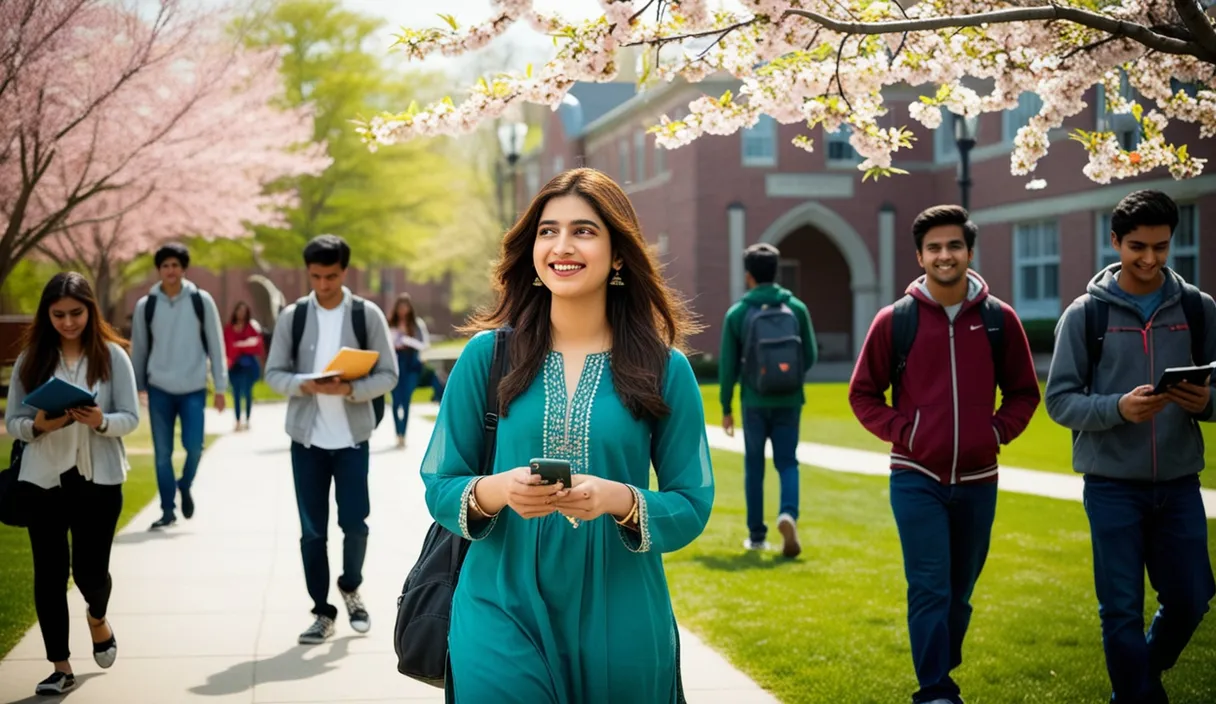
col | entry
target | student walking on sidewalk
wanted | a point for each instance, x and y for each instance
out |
(410, 338)
(1140, 452)
(944, 349)
(768, 346)
(329, 422)
(562, 596)
(76, 462)
(175, 332)
(244, 348)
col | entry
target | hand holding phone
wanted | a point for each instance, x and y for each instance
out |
(551, 471)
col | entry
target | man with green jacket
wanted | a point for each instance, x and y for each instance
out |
(768, 346)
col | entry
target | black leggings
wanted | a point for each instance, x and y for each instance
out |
(90, 511)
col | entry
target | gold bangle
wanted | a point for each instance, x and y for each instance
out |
(473, 501)
(633, 511)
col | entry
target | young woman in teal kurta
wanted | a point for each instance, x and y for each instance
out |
(571, 605)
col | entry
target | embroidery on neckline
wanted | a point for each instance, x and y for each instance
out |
(567, 432)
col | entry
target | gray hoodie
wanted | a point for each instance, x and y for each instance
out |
(178, 364)
(1168, 446)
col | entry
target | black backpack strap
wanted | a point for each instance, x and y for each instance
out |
(358, 320)
(499, 365)
(149, 311)
(299, 318)
(197, 299)
(1196, 322)
(1097, 316)
(904, 319)
(994, 324)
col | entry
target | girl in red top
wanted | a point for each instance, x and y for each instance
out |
(246, 348)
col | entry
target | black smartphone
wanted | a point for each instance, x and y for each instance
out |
(551, 471)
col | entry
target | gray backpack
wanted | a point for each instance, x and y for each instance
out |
(772, 350)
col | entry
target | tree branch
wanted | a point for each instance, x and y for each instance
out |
(1197, 22)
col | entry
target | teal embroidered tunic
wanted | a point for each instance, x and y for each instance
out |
(546, 613)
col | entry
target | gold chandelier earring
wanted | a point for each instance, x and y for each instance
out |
(536, 282)
(616, 279)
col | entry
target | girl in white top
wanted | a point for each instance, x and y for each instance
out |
(410, 338)
(75, 463)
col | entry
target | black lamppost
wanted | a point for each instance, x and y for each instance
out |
(964, 137)
(511, 142)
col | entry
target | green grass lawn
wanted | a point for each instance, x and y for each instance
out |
(828, 419)
(830, 626)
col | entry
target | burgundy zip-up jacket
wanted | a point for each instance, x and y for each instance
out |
(944, 425)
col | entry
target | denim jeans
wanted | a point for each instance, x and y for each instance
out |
(944, 532)
(406, 383)
(313, 469)
(164, 409)
(242, 377)
(759, 426)
(1162, 527)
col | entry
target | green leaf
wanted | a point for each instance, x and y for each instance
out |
(450, 20)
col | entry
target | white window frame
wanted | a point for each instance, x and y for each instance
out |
(758, 143)
(840, 137)
(1037, 308)
(1187, 212)
(1029, 105)
(639, 156)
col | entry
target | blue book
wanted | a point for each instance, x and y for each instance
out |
(57, 396)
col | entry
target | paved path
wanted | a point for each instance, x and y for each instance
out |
(209, 610)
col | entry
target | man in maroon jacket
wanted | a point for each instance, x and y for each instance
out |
(961, 344)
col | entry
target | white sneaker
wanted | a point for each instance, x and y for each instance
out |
(749, 544)
(789, 532)
(318, 632)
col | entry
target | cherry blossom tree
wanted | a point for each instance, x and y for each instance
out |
(826, 62)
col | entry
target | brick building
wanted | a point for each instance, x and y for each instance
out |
(846, 245)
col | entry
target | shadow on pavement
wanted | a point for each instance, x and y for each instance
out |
(145, 536)
(44, 699)
(288, 666)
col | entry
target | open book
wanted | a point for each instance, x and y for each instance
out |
(347, 365)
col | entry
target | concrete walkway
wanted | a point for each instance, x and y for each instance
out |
(209, 610)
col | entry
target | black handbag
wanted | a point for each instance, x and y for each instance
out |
(424, 608)
(17, 498)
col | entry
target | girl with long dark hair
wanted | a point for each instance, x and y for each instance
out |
(76, 461)
(563, 597)
(410, 338)
(246, 348)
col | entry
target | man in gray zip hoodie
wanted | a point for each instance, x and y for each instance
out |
(1140, 452)
(330, 422)
(175, 330)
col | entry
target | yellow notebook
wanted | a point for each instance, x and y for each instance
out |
(352, 364)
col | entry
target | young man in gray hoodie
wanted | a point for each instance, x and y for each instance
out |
(175, 330)
(1140, 452)
(330, 422)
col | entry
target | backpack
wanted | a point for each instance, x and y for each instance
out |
(420, 635)
(19, 501)
(772, 358)
(197, 299)
(358, 320)
(1097, 313)
(904, 319)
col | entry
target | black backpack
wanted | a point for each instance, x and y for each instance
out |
(1097, 315)
(18, 499)
(197, 299)
(420, 635)
(358, 320)
(905, 318)
(772, 358)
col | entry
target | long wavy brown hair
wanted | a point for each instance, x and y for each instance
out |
(411, 318)
(646, 315)
(40, 341)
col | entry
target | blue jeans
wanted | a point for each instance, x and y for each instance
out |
(406, 383)
(164, 409)
(1162, 528)
(759, 426)
(313, 469)
(944, 532)
(242, 377)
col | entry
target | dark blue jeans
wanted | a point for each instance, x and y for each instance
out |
(1161, 527)
(759, 426)
(164, 409)
(944, 532)
(406, 383)
(242, 377)
(313, 469)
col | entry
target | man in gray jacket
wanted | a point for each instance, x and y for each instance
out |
(330, 422)
(1140, 451)
(175, 330)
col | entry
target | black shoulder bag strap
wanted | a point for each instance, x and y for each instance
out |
(358, 320)
(197, 299)
(149, 311)
(1196, 322)
(904, 319)
(299, 318)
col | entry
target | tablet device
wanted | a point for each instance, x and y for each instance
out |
(1175, 375)
(56, 396)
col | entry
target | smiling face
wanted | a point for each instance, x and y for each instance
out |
(944, 255)
(1143, 252)
(572, 251)
(70, 317)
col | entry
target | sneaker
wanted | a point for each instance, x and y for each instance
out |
(57, 683)
(360, 621)
(749, 544)
(400, 442)
(318, 632)
(187, 503)
(106, 652)
(163, 522)
(789, 532)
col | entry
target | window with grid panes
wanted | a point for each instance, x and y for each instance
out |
(760, 143)
(839, 149)
(1184, 246)
(1036, 269)
(1029, 105)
